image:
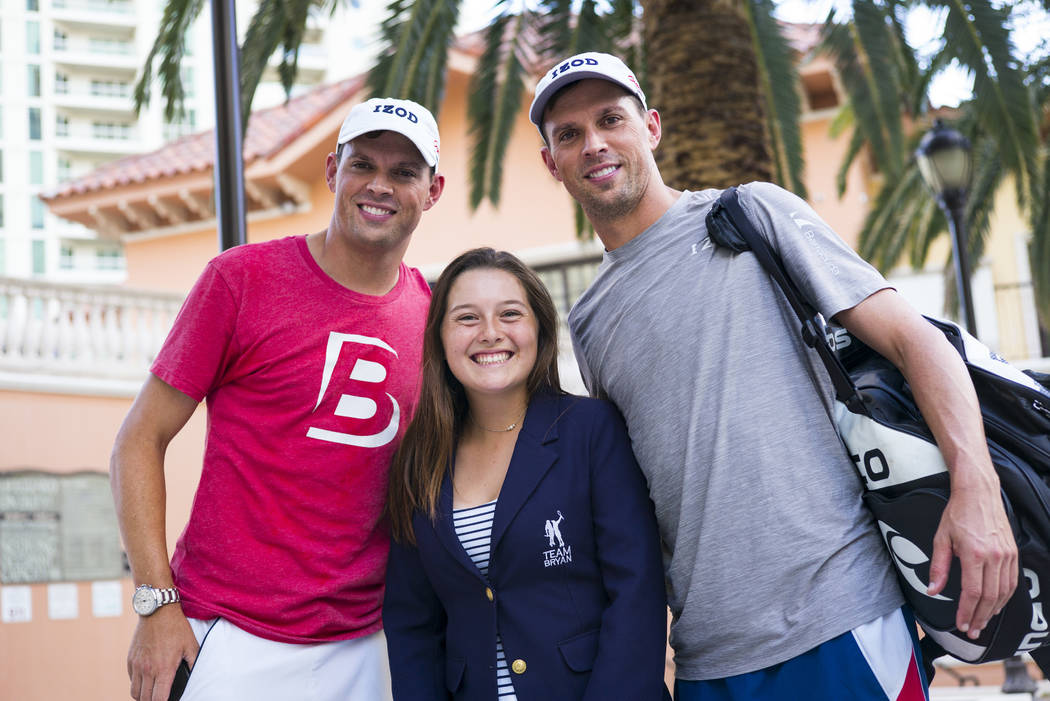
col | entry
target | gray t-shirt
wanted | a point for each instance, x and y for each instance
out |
(769, 550)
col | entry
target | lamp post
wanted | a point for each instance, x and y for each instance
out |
(946, 166)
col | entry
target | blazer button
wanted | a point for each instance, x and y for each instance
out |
(488, 594)
(518, 666)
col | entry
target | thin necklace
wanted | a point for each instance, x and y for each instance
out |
(497, 430)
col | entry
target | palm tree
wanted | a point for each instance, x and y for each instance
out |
(723, 77)
(738, 121)
(889, 110)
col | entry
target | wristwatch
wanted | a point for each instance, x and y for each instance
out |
(146, 599)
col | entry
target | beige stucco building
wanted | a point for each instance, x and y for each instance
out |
(71, 358)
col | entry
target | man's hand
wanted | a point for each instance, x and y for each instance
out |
(160, 642)
(974, 527)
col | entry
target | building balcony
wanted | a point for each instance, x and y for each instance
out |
(106, 14)
(76, 96)
(111, 57)
(110, 140)
(79, 338)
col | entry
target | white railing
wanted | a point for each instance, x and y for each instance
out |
(86, 332)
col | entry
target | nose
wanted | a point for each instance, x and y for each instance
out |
(593, 142)
(491, 331)
(380, 184)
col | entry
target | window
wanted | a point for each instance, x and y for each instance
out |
(1, 210)
(1, 166)
(187, 81)
(34, 124)
(110, 88)
(61, 125)
(64, 168)
(36, 168)
(181, 127)
(33, 5)
(61, 84)
(109, 259)
(33, 38)
(58, 528)
(39, 261)
(65, 257)
(111, 130)
(61, 39)
(33, 80)
(36, 214)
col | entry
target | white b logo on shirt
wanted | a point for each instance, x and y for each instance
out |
(352, 406)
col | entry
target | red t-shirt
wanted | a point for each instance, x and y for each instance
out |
(309, 387)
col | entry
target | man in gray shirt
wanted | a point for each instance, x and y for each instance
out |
(776, 575)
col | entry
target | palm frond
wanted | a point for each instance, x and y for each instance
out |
(267, 26)
(778, 73)
(877, 44)
(1039, 252)
(856, 144)
(881, 242)
(840, 41)
(977, 36)
(495, 100)
(417, 35)
(170, 46)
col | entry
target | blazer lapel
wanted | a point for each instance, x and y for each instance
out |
(530, 462)
(446, 532)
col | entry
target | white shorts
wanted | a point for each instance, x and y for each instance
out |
(234, 665)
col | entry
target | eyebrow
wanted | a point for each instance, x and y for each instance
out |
(470, 305)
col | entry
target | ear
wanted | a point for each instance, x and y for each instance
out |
(652, 126)
(437, 186)
(331, 166)
(548, 160)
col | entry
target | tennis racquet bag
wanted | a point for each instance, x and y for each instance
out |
(905, 477)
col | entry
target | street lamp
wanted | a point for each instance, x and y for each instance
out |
(946, 166)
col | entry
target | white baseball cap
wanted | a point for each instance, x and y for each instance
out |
(410, 119)
(581, 67)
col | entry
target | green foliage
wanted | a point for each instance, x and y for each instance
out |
(783, 105)
(170, 46)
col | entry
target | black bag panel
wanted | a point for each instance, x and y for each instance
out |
(917, 512)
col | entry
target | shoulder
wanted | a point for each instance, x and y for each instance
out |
(587, 411)
(415, 283)
(254, 255)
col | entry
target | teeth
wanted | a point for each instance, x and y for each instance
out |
(491, 358)
(378, 211)
(602, 173)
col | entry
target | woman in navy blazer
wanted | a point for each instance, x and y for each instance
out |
(567, 600)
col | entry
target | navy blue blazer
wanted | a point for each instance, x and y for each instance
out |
(582, 619)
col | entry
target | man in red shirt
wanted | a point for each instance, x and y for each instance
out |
(306, 350)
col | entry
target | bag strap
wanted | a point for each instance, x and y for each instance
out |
(812, 331)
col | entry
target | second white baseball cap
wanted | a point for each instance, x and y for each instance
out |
(579, 67)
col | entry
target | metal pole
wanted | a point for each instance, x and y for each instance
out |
(229, 163)
(952, 204)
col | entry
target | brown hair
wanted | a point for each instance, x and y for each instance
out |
(425, 455)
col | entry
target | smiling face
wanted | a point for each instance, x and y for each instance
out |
(601, 147)
(490, 334)
(382, 186)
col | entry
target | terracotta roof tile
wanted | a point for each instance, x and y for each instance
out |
(268, 132)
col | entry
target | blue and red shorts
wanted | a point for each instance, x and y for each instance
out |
(879, 660)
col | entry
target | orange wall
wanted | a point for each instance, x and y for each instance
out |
(81, 658)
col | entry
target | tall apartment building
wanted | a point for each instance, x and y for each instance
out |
(67, 73)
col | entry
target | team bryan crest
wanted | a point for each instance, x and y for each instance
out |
(559, 553)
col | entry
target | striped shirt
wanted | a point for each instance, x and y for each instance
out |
(474, 530)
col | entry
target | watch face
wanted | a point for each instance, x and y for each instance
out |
(144, 601)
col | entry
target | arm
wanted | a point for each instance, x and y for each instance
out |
(974, 525)
(633, 638)
(414, 622)
(137, 476)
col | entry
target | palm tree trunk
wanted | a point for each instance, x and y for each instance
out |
(704, 81)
